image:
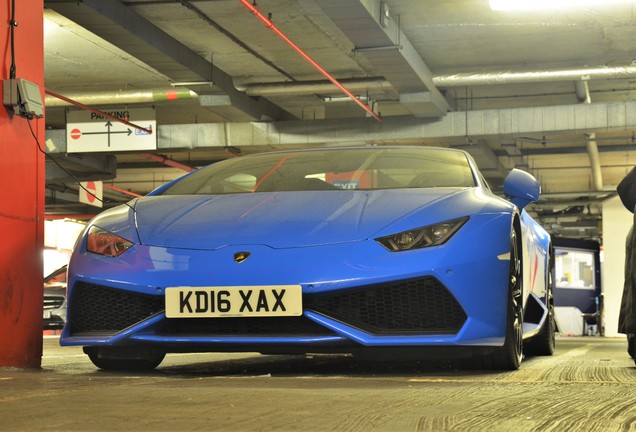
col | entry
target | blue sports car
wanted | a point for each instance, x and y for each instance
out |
(379, 251)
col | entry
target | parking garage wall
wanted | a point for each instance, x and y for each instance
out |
(21, 193)
(616, 224)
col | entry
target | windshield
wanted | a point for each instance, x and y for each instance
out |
(330, 169)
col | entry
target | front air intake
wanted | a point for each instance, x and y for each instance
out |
(423, 306)
(95, 309)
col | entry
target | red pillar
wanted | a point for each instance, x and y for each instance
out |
(21, 194)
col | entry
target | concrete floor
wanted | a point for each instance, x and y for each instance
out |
(588, 385)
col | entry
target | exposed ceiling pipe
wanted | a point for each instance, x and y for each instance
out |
(583, 93)
(122, 191)
(520, 77)
(356, 84)
(167, 161)
(453, 80)
(582, 89)
(593, 202)
(601, 194)
(313, 87)
(595, 162)
(91, 109)
(121, 97)
(270, 25)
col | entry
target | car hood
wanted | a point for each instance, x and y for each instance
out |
(278, 219)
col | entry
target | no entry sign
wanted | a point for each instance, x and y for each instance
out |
(76, 134)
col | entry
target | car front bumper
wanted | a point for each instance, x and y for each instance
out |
(354, 295)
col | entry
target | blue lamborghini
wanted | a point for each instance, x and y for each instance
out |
(373, 251)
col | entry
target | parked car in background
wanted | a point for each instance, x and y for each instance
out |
(54, 312)
(400, 251)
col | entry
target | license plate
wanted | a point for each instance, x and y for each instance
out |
(234, 301)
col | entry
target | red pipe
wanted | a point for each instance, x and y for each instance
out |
(125, 192)
(270, 25)
(101, 113)
(269, 172)
(167, 161)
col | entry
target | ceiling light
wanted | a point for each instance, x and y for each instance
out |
(192, 83)
(502, 5)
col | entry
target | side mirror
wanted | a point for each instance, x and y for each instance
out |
(521, 188)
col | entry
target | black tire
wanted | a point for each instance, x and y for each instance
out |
(124, 360)
(544, 343)
(508, 356)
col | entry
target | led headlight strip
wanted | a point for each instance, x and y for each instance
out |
(431, 235)
(103, 242)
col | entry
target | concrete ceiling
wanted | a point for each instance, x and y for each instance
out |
(551, 92)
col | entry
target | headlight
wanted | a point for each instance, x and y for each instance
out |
(106, 243)
(418, 238)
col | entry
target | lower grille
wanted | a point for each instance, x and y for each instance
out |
(96, 309)
(53, 302)
(273, 326)
(421, 305)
